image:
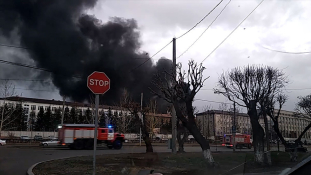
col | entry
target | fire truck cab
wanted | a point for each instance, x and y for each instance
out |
(241, 140)
(81, 136)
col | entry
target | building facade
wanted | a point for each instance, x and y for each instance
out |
(292, 125)
(32, 106)
(217, 123)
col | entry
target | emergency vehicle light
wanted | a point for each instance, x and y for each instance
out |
(59, 126)
(109, 126)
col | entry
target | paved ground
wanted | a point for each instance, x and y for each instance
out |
(16, 160)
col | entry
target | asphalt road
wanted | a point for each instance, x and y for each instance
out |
(16, 160)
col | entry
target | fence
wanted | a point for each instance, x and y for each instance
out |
(131, 137)
(30, 134)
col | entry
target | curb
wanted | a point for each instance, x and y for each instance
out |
(288, 171)
(29, 171)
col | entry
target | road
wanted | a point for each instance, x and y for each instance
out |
(16, 160)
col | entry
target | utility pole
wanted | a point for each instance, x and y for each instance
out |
(233, 128)
(174, 118)
(141, 111)
(63, 109)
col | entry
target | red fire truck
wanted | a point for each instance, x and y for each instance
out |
(81, 136)
(241, 140)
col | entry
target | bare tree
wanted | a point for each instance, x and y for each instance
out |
(182, 136)
(152, 120)
(181, 93)
(268, 106)
(139, 115)
(7, 90)
(124, 119)
(247, 87)
(304, 109)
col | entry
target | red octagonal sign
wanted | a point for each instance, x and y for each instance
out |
(98, 82)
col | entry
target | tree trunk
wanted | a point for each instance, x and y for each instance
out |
(202, 141)
(303, 132)
(145, 134)
(149, 148)
(258, 133)
(207, 155)
(193, 129)
(2, 117)
(146, 138)
(278, 133)
(182, 136)
(293, 155)
(267, 133)
(144, 130)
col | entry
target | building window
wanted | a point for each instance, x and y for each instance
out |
(33, 107)
(18, 105)
(39, 107)
(45, 108)
(53, 108)
(26, 105)
(26, 110)
(10, 105)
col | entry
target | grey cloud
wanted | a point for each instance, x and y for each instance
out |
(165, 15)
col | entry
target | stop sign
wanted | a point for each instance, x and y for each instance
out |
(98, 82)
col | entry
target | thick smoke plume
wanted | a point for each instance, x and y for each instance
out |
(70, 43)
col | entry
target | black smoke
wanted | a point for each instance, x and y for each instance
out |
(62, 38)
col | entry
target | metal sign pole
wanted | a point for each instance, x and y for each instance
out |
(95, 132)
(141, 109)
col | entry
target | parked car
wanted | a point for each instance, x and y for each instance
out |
(191, 138)
(25, 138)
(2, 142)
(273, 141)
(38, 137)
(51, 137)
(293, 146)
(53, 142)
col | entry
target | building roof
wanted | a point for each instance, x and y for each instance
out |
(76, 104)
(221, 112)
(159, 115)
(55, 102)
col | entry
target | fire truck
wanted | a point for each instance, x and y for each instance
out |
(81, 136)
(241, 140)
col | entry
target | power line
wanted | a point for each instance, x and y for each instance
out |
(298, 89)
(152, 56)
(233, 30)
(32, 67)
(204, 30)
(23, 65)
(13, 46)
(12, 79)
(35, 90)
(200, 20)
(295, 89)
(211, 101)
(285, 51)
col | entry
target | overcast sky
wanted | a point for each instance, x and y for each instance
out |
(276, 24)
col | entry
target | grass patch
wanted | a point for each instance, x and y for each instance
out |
(166, 163)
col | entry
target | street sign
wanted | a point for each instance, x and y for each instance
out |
(98, 82)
